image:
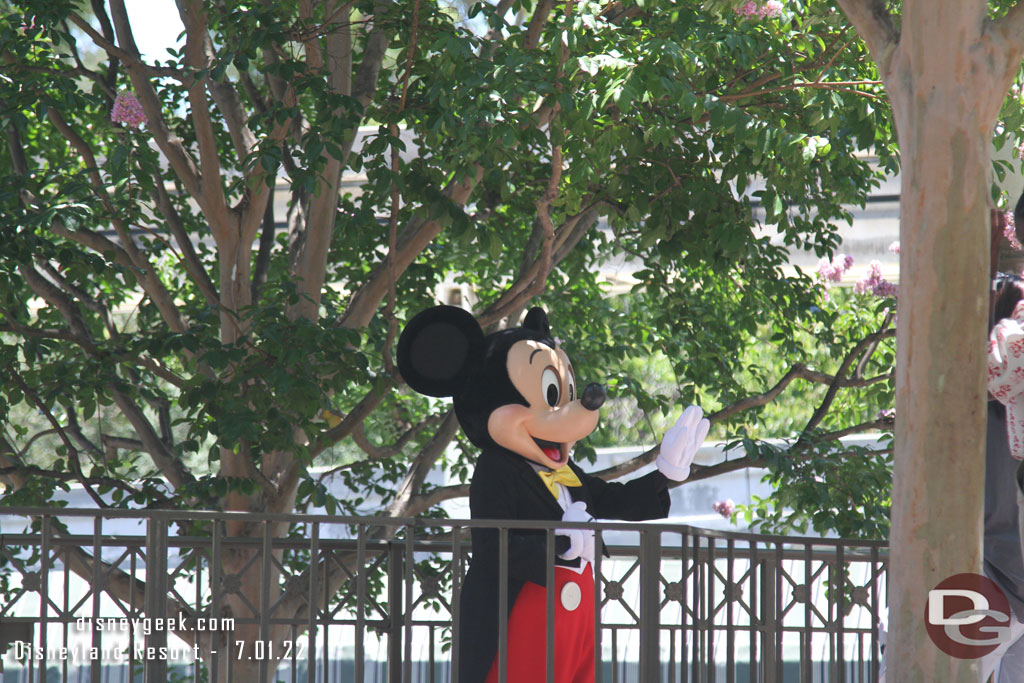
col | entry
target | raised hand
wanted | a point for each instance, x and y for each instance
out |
(682, 442)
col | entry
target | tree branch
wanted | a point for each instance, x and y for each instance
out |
(494, 35)
(629, 466)
(262, 266)
(411, 242)
(1010, 26)
(125, 588)
(419, 504)
(841, 86)
(290, 477)
(377, 453)
(422, 465)
(28, 444)
(73, 455)
(874, 24)
(121, 442)
(99, 11)
(364, 84)
(199, 57)
(385, 452)
(700, 472)
(310, 264)
(119, 54)
(310, 42)
(143, 270)
(89, 347)
(841, 375)
(532, 282)
(170, 466)
(75, 430)
(172, 146)
(798, 371)
(229, 106)
(96, 242)
(11, 469)
(354, 417)
(92, 304)
(537, 22)
(189, 257)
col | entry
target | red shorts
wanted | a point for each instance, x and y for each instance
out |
(573, 631)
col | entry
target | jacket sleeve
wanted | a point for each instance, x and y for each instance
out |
(1006, 357)
(642, 498)
(492, 496)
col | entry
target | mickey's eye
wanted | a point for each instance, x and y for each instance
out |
(550, 386)
(572, 389)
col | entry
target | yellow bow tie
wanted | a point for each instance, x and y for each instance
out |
(563, 475)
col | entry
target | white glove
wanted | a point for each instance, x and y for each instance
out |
(681, 443)
(581, 540)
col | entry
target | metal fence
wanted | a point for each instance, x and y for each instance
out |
(201, 596)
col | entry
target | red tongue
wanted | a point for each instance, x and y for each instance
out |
(553, 453)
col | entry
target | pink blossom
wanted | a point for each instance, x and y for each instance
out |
(887, 290)
(724, 507)
(127, 110)
(895, 247)
(875, 284)
(748, 9)
(886, 414)
(771, 9)
(1010, 232)
(752, 10)
(832, 271)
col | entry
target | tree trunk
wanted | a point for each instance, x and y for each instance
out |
(938, 480)
(947, 67)
(945, 96)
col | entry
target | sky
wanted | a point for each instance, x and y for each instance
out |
(156, 25)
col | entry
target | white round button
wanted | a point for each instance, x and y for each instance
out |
(571, 596)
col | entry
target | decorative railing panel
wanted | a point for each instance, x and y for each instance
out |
(198, 596)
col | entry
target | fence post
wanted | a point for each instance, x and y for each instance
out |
(650, 605)
(769, 620)
(396, 581)
(156, 598)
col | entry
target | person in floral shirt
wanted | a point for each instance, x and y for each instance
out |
(1003, 561)
(1006, 359)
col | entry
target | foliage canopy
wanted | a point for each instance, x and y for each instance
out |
(198, 311)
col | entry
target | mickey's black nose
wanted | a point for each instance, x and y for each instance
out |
(593, 396)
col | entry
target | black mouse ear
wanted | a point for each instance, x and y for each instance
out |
(536, 319)
(438, 349)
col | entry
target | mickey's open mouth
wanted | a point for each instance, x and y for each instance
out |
(553, 450)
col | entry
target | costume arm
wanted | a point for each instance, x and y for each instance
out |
(642, 498)
(1006, 357)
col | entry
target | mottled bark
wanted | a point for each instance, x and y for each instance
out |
(946, 71)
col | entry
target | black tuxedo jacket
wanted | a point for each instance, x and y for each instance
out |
(505, 486)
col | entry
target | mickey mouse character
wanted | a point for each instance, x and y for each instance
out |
(516, 398)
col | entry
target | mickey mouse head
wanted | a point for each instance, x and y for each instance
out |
(515, 388)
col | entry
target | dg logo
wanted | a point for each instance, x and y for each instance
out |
(967, 616)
